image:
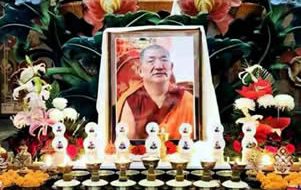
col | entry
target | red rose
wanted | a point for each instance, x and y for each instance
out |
(290, 148)
(271, 149)
(256, 89)
(236, 146)
(72, 151)
(138, 150)
(262, 132)
(170, 147)
(277, 122)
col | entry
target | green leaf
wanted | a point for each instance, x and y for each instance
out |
(222, 46)
(17, 21)
(140, 18)
(85, 53)
(224, 52)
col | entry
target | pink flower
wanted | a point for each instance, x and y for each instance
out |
(96, 10)
(39, 119)
(218, 10)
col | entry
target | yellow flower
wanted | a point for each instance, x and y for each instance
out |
(110, 6)
(204, 6)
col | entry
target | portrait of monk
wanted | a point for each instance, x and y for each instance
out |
(155, 97)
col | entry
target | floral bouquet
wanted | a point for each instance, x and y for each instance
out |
(40, 111)
(261, 105)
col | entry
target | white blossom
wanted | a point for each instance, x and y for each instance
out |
(70, 113)
(244, 104)
(26, 74)
(21, 119)
(284, 101)
(56, 114)
(60, 103)
(29, 87)
(29, 72)
(266, 101)
(34, 100)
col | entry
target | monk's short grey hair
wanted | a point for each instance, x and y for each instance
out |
(155, 46)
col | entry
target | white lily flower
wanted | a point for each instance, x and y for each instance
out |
(26, 74)
(70, 113)
(27, 86)
(244, 103)
(266, 101)
(252, 118)
(29, 72)
(35, 100)
(45, 92)
(284, 101)
(60, 103)
(56, 115)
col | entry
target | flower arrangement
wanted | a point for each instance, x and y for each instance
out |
(38, 114)
(269, 113)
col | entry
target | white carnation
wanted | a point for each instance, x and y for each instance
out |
(244, 103)
(266, 101)
(59, 103)
(56, 115)
(70, 113)
(284, 101)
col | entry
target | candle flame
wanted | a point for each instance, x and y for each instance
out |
(266, 160)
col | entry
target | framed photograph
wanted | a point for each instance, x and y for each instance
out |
(155, 76)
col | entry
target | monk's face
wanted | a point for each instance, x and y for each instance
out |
(155, 66)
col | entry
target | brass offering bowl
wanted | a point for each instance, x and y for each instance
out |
(93, 168)
(150, 163)
(237, 168)
(66, 171)
(179, 166)
(122, 166)
(207, 167)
